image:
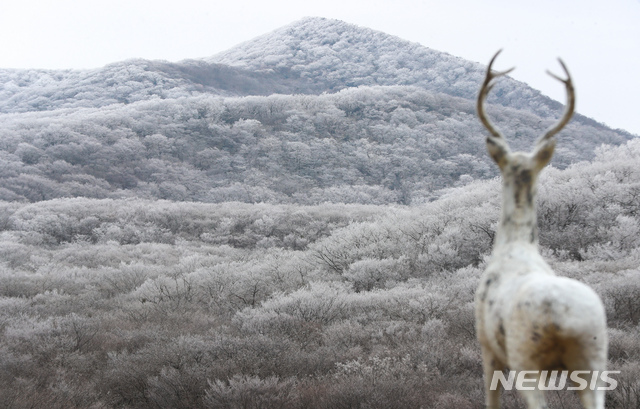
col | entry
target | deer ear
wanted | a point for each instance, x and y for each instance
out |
(543, 152)
(498, 150)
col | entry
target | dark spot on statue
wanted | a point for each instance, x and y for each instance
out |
(523, 187)
(491, 302)
(488, 282)
(525, 177)
(535, 337)
(500, 338)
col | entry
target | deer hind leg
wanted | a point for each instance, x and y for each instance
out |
(534, 398)
(490, 364)
(529, 388)
(592, 399)
(589, 355)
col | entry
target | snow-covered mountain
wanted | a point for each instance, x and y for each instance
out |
(319, 110)
(337, 55)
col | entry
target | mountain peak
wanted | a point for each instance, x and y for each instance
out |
(313, 41)
(339, 55)
(335, 55)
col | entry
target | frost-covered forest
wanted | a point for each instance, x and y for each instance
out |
(159, 304)
(371, 145)
(299, 222)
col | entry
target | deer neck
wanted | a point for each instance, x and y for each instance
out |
(518, 222)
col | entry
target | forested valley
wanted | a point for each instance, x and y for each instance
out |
(290, 224)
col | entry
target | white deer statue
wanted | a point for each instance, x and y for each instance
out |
(527, 318)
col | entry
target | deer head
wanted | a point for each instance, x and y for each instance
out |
(520, 169)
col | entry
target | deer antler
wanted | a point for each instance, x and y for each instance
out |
(569, 108)
(487, 85)
(484, 91)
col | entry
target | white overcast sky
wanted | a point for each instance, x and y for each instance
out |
(598, 39)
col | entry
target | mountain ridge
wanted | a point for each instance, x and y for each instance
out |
(134, 80)
(309, 56)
